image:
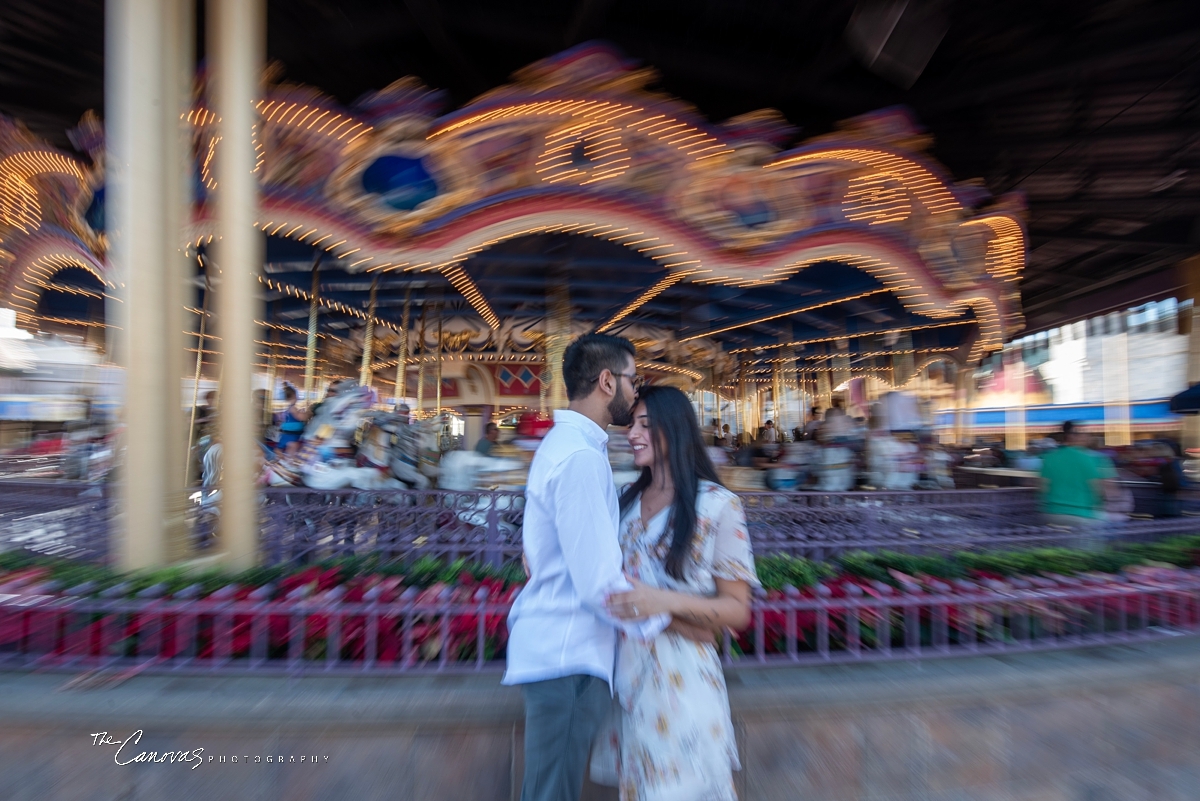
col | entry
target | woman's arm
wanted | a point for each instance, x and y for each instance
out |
(729, 609)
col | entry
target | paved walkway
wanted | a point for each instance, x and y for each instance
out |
(1103, 724)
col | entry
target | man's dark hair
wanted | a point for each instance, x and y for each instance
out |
(1068, 428)
(590, 355)
(490, 428)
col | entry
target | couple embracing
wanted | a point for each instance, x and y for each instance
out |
(626, 595)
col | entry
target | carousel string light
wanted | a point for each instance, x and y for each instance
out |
(788, 313)
(296, 292)
(931, 191)
(462, 282)
(856, 335)
(71, 321)
(40, 273)
(684, 136)
(1005, 256)
(654, 367)
(644, 298)
(280, 112)
(206, 165)
(865, 355)
(876, 198)
(19, 205)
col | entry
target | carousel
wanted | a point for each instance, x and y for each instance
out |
(442, 261)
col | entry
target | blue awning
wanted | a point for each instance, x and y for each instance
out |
(1188, 401)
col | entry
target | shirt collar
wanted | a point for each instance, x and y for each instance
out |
(585, 424)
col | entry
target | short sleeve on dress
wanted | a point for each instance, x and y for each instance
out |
(732, 558)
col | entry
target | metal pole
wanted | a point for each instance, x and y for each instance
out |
(421, 364)
(364, 373)
(187, 471)
(401, 389)
(310, 353)
(237, 30)
(441, 314)
(268, 412)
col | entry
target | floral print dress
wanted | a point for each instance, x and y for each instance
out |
(671, 737)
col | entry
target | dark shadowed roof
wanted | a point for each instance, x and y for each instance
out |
(1090, 107)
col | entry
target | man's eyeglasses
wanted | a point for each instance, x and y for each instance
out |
(636, 381)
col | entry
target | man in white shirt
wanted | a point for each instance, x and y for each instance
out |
(562, 641)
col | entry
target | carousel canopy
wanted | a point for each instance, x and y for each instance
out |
(1085, 107)
(574, 199)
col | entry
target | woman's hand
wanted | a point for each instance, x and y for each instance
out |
(639, 603)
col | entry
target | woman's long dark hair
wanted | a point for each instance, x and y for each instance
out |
(679, 446)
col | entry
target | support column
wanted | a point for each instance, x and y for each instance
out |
(421, 364)
(237, 30)
(964, 415)
(558, 330)
(1014, 411)
(200, 340)
(180, 72)
(401, 388)
(364, 373)
(1116, 387)
(1190, 272)
(146, 53)
(441, 315)
(310, 352)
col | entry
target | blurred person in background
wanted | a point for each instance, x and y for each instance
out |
(331, 392)
(686, 550)
(769, 434)
(1076, 481)
(291, 422)
(487, 442)
(405, 455)
(206, 414)
(813, 424)
(260, 413)
(1171, 480)
(726, 438)
(837, 465)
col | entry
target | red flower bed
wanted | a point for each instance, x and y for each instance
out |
(335, 618)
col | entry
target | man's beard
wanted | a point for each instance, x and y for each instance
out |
(621, 409)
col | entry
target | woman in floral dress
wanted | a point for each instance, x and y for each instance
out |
(687, 554)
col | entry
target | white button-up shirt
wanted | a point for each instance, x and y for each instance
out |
(558, 625)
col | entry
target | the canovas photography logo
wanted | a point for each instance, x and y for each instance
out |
(129, 752)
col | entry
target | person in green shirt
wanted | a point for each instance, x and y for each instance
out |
(490, 437)
(1075, 482)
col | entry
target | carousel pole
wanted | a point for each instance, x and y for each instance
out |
(401, 388)
(741, 405)
(777, 399)
(441, 315)
(272, 368)
(556, 343)
(364, 373)
(310, 352)
(237, 30)
(187, 470)
(421, 364)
